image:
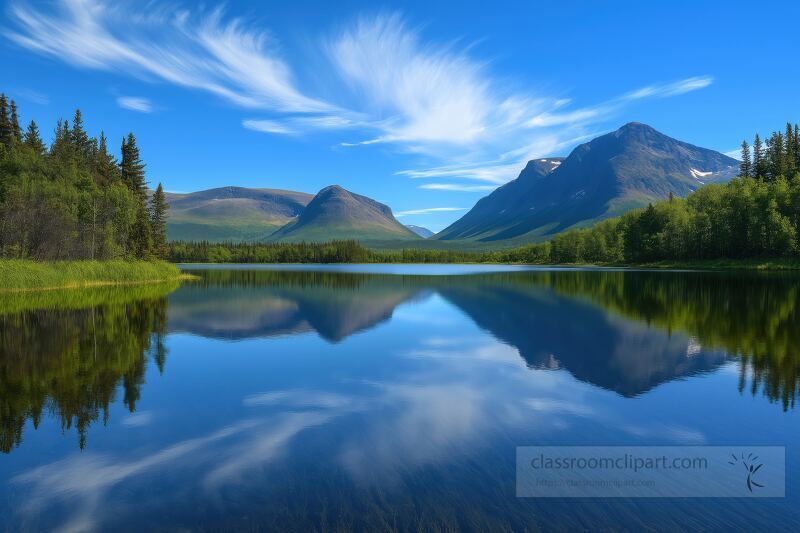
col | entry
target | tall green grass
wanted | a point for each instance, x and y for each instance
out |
(16, 301)
(19, 274)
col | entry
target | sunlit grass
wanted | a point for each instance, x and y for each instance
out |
(16, 274)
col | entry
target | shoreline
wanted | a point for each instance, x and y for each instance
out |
(710, 265)
(24, 276)
(21, 276)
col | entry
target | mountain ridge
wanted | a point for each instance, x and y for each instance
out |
(599, 179)
(423, 232)
(232, 213)
(336, 213)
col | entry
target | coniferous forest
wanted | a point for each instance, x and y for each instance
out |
(76, 198)
(756, 215)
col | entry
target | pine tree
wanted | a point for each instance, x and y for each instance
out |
(132, 173)
(33, 140)
(5, 122)
(80, 139)
(759, 164)
(132, 168)
(776, 163)
(62, 148)
(797, 147)
(141, 240)
(106, 164)
(15, 129)
(158, 222)
(791, 151)
(745, 165)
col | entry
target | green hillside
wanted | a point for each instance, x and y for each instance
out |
(336, 213)
(235, 214)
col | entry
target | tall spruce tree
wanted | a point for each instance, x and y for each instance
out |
(759, 163)
(797, 147)
(6, 134)
(61, 148)
(791, 149)
(745, 165)
(108, 169)
(33, 140)
(132, 172)
(80, 139)
(158, 223)
(132, 168)
(776, 156)
(141, 239)
(16, 132)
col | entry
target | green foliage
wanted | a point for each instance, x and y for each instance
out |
(158, 222)
(70, 362)
(780, 156)
(132, 167)
(717, 309)
(20, 274)
(6, 128)
(750, 217)
(745, 167)
(71, 200)
(33, 139)
(349, 251)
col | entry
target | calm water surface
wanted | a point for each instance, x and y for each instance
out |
(385, 397)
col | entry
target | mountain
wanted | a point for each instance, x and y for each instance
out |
(602, 178)
(336, 213)
(232, 213)
(246, 304)
(419, 230)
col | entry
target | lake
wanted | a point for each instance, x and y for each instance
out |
(385, 396)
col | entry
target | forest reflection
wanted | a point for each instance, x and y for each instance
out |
(71, 355)
(583, 321)
(68, 357)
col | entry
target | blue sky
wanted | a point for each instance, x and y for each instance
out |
(425, 106)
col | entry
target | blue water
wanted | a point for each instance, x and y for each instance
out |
(387, 397)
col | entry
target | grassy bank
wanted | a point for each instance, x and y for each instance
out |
(726, 264)
(355, 252)
(17, 275)
(706, 264)
(16, 301)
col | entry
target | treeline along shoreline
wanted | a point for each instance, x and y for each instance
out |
(75, 200)
(751, 222)
(74, 213)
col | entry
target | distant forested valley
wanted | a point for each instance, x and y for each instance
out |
(78, 199)
(756, 215)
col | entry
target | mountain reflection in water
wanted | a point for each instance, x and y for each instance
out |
(623, 331)
(268, 399)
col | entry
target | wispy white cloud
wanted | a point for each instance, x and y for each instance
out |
(204, 51)
(268, 126)
(429, 211)
(506, 167)
(456, 187)
(432, 94)
(607, 109)
(135, 103)
(392, 85)
(482, 171)
(673, 89)
(140, 419)
(31, 96)
(298, 125)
